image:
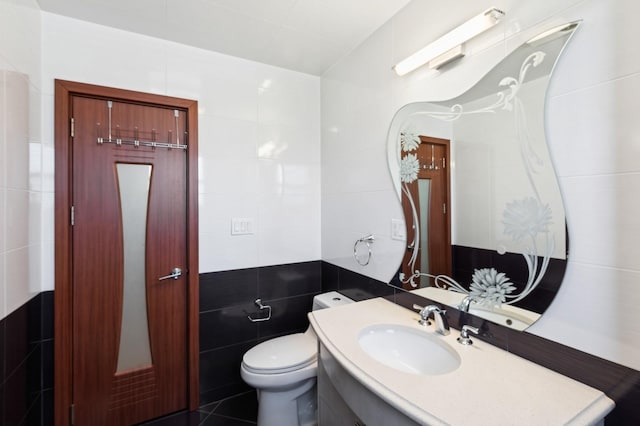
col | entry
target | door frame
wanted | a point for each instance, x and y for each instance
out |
(63, 294)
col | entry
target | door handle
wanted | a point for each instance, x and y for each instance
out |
(175, 273)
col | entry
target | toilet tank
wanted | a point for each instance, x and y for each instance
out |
(329, 300)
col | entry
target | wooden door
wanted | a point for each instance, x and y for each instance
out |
(132, 327)
(433, 211)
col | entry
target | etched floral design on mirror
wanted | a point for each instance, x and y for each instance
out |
(502, 210)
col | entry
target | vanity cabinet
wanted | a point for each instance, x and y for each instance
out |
(343, 401)
(489, 386)
(332, 409)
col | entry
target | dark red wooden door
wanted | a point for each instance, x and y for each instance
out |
(125, 370)
(433, 156)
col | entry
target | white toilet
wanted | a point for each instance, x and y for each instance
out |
(283, 370)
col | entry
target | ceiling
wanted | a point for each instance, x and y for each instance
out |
(302, 35)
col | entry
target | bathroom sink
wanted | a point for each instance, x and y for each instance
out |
(408, 349)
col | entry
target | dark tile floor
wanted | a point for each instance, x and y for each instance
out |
(239, 410)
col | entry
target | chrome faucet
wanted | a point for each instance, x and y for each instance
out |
(439, 316)
(464, 305)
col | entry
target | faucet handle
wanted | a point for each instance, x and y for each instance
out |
(464, 338)
(424, 314)
(439, 316)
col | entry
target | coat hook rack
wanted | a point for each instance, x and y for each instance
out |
(136, 142)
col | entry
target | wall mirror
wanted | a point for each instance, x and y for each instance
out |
(485, 221)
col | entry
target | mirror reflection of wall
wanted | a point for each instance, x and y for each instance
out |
(505, 216)
(493, 156)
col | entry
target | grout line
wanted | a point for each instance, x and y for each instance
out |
(249, 422)
(220, 401)
(597, 84)
(203, 421)
(603, 174)
(214, 403)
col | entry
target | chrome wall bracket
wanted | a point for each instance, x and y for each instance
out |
(261, 307)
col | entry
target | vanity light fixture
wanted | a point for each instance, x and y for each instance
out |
(450, 46)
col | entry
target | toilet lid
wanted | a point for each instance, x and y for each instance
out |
(282, 354)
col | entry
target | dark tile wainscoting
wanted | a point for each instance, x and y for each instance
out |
(26, 363)
(226, 298)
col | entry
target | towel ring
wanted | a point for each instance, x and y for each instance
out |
(368, 240)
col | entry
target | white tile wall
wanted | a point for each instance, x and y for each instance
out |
(17, 130)
(259, 141)
(613, 104)
(219, 250)
(17, 278)
(100, 54)
(20, 153)
(591, 126)
(20, 38)
(288, 228)
(17, 216)
(224, 86)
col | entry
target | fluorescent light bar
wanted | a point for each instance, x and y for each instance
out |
(450, 56)
(450, 40)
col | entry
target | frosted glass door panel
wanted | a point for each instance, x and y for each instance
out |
(133, 183)
(424, 191)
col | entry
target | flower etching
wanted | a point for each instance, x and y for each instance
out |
(526, 218)
(409, 167)
(490, 287)
(409, 141)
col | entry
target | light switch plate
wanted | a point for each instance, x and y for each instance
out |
(398, 230)
(242, 226)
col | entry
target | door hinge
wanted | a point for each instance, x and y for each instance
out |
(72, 414)
(444, 208)
(73, 215)
(73, 127)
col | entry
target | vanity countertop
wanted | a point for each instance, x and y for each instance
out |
(491, 386)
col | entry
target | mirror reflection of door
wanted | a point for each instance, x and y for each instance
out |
(431, 194)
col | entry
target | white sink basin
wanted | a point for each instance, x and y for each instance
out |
(407, 349)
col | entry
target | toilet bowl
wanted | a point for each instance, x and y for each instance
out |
(283, 371)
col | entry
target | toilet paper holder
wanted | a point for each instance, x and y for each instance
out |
(261, 307)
